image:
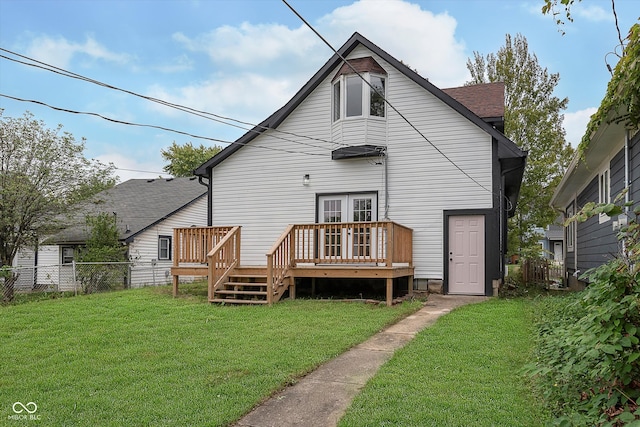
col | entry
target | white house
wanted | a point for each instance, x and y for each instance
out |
(365, 143)
(146, 212)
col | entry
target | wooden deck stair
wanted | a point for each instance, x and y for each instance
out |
(246, 285)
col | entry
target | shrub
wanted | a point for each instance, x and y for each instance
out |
(588, 350)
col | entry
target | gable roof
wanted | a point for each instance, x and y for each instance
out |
(137, 204)
(506, 148)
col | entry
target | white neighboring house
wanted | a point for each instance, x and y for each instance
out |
(146, 212)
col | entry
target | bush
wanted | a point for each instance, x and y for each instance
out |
(588, 347)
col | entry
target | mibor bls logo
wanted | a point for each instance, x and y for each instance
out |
(24, 412)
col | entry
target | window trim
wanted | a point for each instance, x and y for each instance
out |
(166, 238)
(340, 97)
(570, 229)
(62, 256)
(604, 191)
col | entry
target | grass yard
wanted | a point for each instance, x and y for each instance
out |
(140, 357)
(462, 371)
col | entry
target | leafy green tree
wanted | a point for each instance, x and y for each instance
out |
(103, 244)
(183, 159)
(533, 120)
(103, 247)
(43, 172)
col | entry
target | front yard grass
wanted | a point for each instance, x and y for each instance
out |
(140, 357)
(462, 371)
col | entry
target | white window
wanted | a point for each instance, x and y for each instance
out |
(604, 189)
(376, 97)
(164, 247)
(355, 98)
(336, 101)
(67, 255)
(571, 229)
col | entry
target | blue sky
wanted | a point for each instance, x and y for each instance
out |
(244, 59)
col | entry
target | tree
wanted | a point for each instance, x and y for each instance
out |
(43, 173)
(533, 120)
(552, 6)
(103, 247)
(183, 159)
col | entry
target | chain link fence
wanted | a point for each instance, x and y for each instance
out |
(82, 278)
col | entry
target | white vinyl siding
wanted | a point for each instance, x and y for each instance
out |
(422, 183)
(144, 248)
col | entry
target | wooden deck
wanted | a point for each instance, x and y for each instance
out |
(361, 250)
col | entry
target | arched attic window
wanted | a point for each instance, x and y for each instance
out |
(352, 97)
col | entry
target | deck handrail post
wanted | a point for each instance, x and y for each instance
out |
(237, 246)
(292, 247)
(269, 278)
(389, 245)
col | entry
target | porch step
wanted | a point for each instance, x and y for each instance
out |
(238, 301)
(234, 292)
(246, 287)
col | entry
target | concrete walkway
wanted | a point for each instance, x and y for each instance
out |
(322, 397)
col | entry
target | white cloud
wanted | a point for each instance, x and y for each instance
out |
(250, 45)
(59, 51)
(259, 67)
(417, 37)
(177, 64)
(592, 13)
(575, 124)
(230, 96)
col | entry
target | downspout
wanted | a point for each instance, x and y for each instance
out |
(209, 210)
(386, 184)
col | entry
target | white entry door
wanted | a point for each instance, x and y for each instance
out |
(466, 255)
(347, 242)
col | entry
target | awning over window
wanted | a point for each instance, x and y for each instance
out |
(358, 151)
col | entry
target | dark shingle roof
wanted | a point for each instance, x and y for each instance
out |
(484, 100)
(137, 205)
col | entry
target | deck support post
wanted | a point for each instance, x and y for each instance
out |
(175, 285)
(410, 285)
(292, 287)
(389, 291)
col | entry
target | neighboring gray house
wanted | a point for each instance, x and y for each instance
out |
(609, 164)
(436, 163)
(146, 212)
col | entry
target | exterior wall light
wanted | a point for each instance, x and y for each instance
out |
(306, 179)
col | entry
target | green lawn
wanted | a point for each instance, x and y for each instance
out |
(140, 357)
(463, 371)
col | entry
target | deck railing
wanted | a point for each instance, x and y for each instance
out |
(382, 242)
(279, 260)
(344, 243)
(223, 258)
(192, 244)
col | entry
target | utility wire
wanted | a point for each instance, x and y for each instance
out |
(66, 110)
(383, 97)
(204, 114)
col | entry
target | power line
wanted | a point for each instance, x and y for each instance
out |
(66, 110)
(384, 98)
(189, 110)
